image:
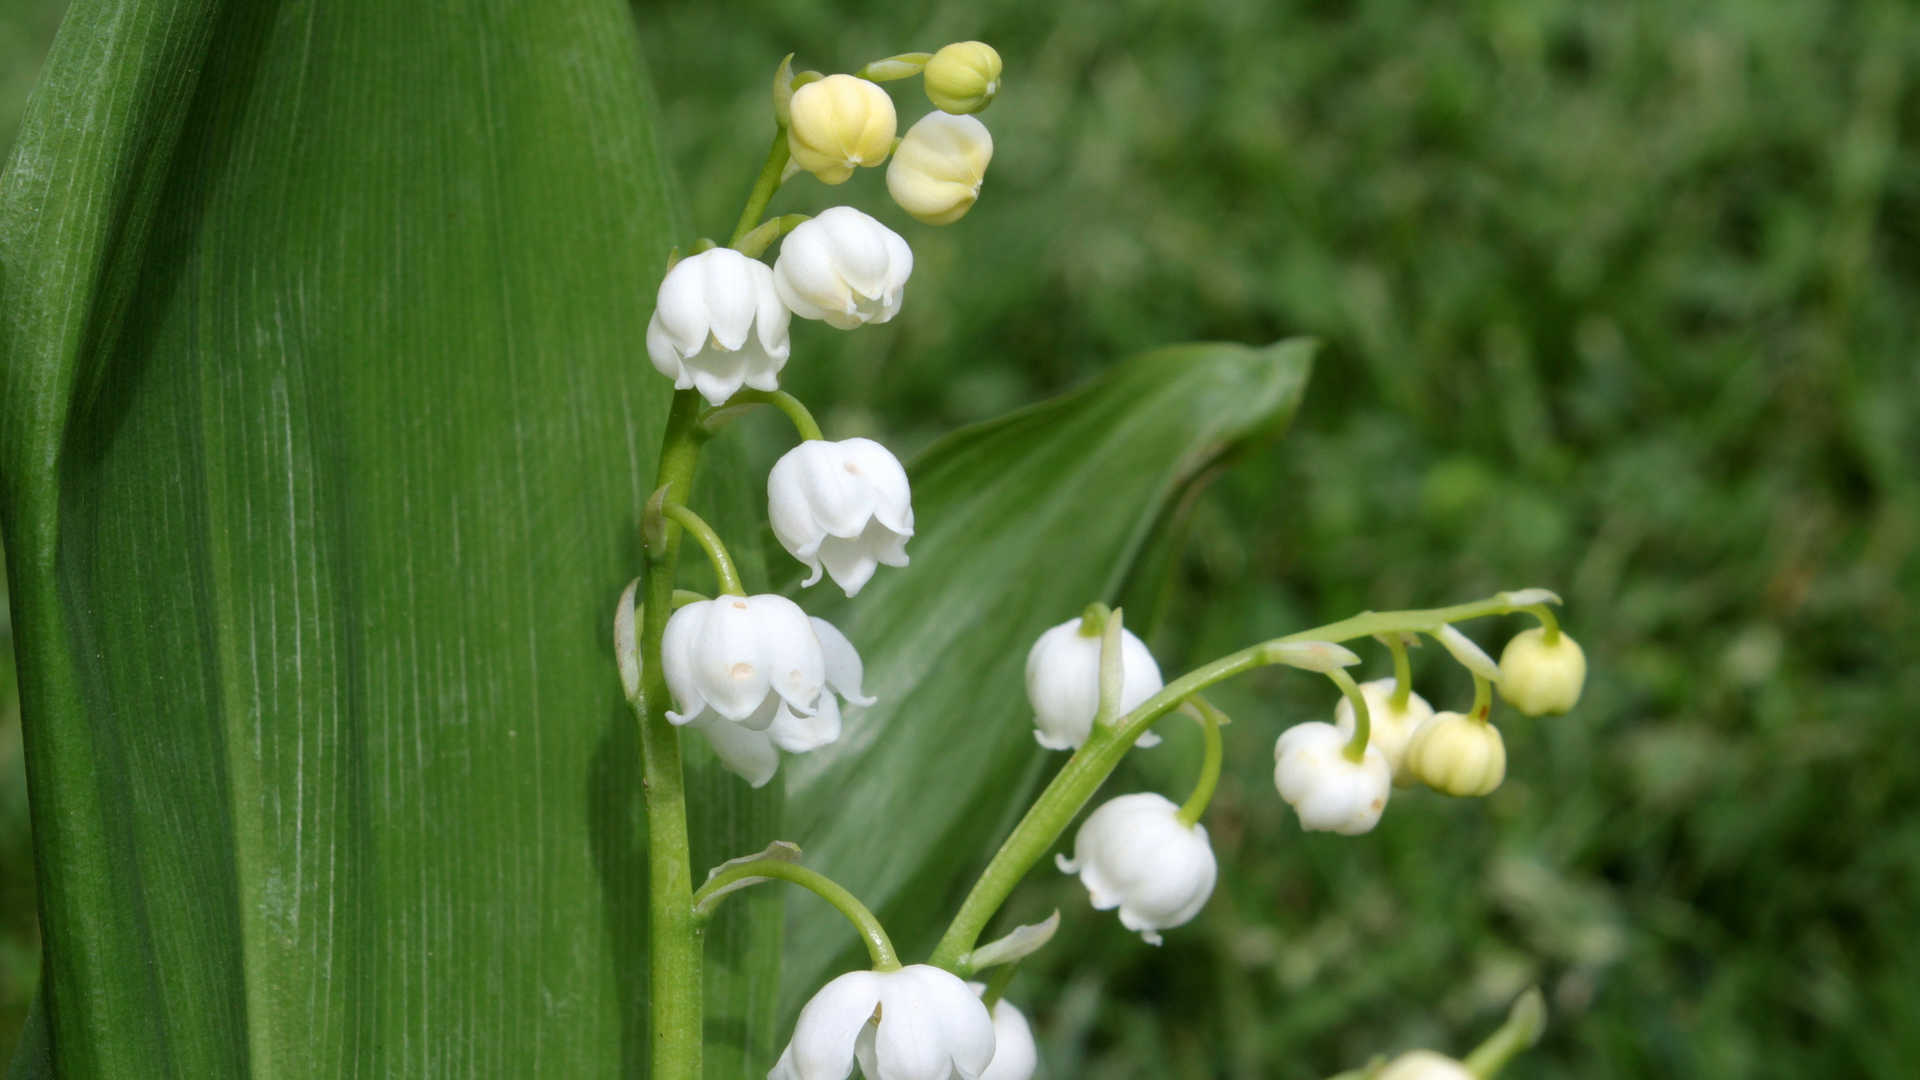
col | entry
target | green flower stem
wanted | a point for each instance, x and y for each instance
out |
(1525, 1021)
(1210, 721)
(1402, 673)
(1089, 767)
(1112, 674)
(711, 543)
(1356, 748)
(674, 985)
(997, 986)
(763, 188)
(879, 946)
(1482, 699)
(802, 420)
(1548, 624)
(762, 236)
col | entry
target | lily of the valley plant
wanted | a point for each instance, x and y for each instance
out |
(757, 677)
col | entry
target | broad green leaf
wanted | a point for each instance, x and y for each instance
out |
(1021, 523)
(325, 422)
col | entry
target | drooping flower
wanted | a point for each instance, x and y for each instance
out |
(1328, 790)
(755, 675)
(916, 1023)
(962, 77)
(844, 268)
(936, 173)
(719, 323)
(1388, 728)
(1134, 853)
(842, 505)
(839, 123)
(1063, 683)
(1457, 754)
(1541, 678)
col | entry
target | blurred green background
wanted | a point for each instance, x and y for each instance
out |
(1619, 299)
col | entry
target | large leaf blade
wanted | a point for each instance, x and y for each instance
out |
(1022, 522)
(325, 430)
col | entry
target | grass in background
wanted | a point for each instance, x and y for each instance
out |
(1620, 301)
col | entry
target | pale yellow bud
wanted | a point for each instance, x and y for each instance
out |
(936, 172)
(837, 124)
(1424, 1065)
(963, 77)
(1542, 679)
(1458, 755)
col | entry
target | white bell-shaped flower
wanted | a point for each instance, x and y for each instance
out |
(916, 1023)
(718, 323)
(842, 505)
(1015, 1057)
(843, 267)
(1063, 684)
(1134, 853)
(1389, 728)
(755, 675)
(937, 172)
(1326, 789)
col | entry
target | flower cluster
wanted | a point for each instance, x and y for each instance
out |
(756, 676)
(753, 674)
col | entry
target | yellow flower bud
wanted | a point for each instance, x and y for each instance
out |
(838, 123)
(1458, 755)
(936, 173)
(1542, 679)
(963, 77)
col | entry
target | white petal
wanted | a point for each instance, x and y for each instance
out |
(824, 1035)
(844, 670)
(797, 734)
(931, 1026)
(791, 651)
(1014, 1055)
(848, 563)
(730, 295)
(748, 753)
(683, 626)
(886, 479)
(726, 658)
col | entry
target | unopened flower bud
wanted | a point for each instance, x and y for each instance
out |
(963, 77)
(1424, 1065)
(1063, 683)
(1458, 755)
(1389, 728)
(718, 323)
(1134, 853)
(843, 268)
(936, 173)
(837, 124)
(1327, 789)
(1542, 679)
